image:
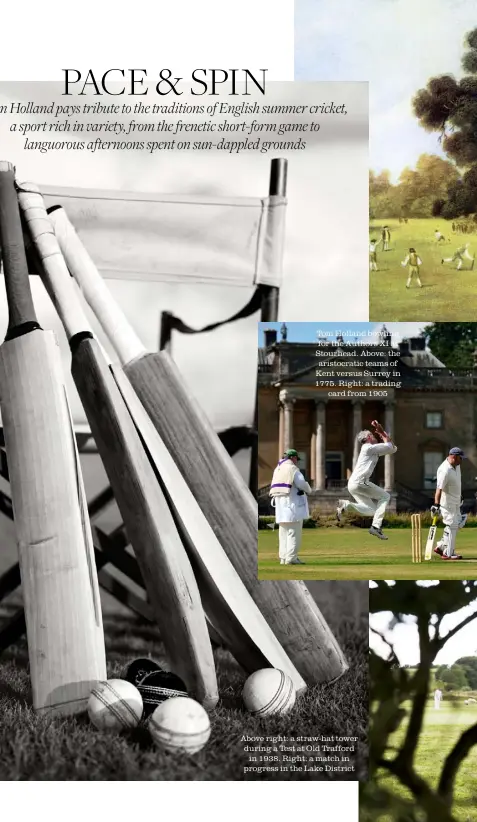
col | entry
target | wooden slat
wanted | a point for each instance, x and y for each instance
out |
(124, 595)
(117, 556)
(6, 507)
(3, 465)
(13, 630)
(10, 580)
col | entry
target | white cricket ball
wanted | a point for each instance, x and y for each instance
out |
(115, 705)
(180, 724)
(269, 691)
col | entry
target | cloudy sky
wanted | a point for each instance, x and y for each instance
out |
(405, 640)
(395, 44)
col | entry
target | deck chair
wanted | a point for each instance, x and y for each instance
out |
(231, 245)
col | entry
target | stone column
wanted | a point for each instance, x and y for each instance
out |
(281, 430)
(288, 403)
(389, 458)
(357, 427)
(313, 458)
(320, 446)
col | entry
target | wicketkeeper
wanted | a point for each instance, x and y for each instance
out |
(288, 492)
(371, 500)
(448, 501)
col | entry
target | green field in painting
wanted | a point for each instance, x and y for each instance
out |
(446, 294)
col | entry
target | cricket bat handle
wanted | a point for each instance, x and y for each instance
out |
(53, 270)
(126, 343)
(21, 310)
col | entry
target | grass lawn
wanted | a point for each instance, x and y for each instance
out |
(352, 553)
(33, 748)
(441, 731)
(446, 294)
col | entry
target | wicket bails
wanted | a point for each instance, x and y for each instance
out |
(416, 537)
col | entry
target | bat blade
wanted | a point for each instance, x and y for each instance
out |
(211, 475)
(229, 606)
(165, 568)
(431, 539)
(231, 510)
(63, 616)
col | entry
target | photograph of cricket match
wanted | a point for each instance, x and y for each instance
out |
(367, 457)
(423, 701)
(132, 622)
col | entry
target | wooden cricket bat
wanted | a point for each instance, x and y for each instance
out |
(210, 473)
(431, 538)
(166, 570)
(59, 583)
(228, 605)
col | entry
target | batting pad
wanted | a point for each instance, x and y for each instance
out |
(65, 636)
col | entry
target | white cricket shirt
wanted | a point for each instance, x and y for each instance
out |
(368, 459)
(449, 481)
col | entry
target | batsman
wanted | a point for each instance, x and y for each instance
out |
(447, 503)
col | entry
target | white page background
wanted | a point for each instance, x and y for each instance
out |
(40, 39)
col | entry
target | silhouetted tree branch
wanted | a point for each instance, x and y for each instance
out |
(453, 762)
(434, 806)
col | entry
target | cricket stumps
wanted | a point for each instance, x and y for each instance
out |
(416, 540)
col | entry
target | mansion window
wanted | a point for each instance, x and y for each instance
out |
(432, 460)
(434, 419)
(334, 469)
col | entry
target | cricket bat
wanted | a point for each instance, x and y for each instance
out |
(165, 567)
(228, 606)
(431, 538)
(210, 473)
(58, 573)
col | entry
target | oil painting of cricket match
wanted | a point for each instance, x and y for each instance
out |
(421, 63)
(367, 463)
(423, 225)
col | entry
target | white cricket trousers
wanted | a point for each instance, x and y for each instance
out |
(289, 540)
(371, 501)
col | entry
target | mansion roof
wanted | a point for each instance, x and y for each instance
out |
(417, 369)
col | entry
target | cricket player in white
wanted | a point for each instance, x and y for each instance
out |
(288, 491)
(459, 254)
(373, 257)
(371, 500)
(448, 501)
(437, 698)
